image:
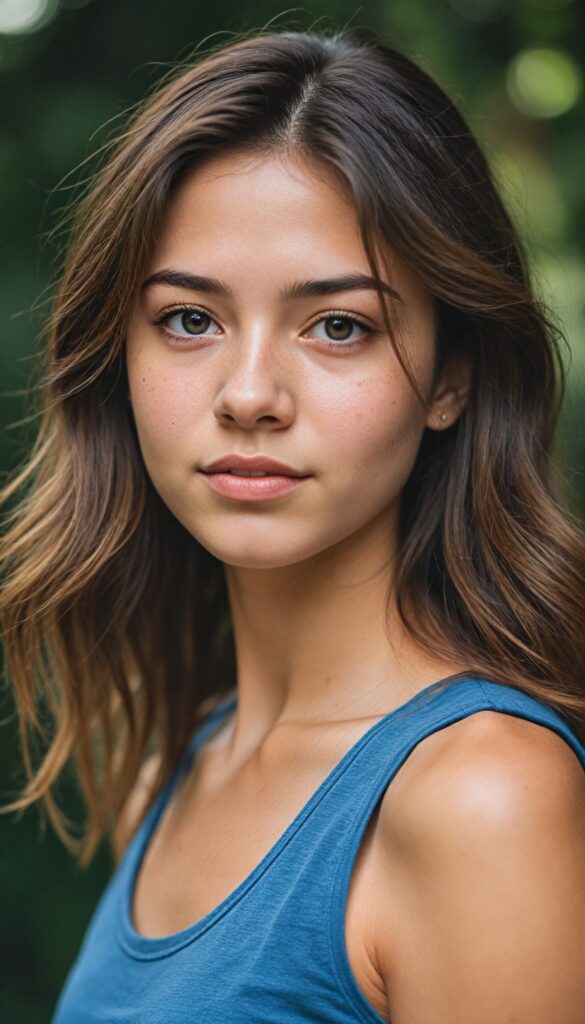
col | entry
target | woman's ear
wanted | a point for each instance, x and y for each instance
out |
(451, 392)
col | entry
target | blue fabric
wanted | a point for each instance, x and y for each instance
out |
(273, 951)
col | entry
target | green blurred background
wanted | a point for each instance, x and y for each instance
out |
(69, 70)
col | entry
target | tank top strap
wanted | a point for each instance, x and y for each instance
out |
(393, 740)
(204, 729)
(207, 726)
(388, 745)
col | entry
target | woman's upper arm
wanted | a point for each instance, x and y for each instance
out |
(488, 880)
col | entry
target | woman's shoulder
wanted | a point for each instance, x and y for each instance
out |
(488, 764)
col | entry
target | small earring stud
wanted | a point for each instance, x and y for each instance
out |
(443, 416)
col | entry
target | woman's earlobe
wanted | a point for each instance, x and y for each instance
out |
(440, 419)
(447, 410)
(451, 394)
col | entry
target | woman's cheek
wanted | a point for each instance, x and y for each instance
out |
(165, 412)
(381, 430)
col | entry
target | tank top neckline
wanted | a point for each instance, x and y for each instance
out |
(143, 947)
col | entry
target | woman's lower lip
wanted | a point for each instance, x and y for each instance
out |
(252, 488)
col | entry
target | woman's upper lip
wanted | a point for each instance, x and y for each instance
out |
(252, 463)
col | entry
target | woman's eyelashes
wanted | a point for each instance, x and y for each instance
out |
(339, 322)
(194, 321)
(191, 318)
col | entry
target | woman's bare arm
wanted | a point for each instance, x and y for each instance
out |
(486, 884)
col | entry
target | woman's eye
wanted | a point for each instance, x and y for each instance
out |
(189, 322)
(338, 329)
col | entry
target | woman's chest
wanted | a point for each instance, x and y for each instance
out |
(205, 846)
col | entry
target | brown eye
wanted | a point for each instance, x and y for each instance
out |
(185, 322)
(194, 321)
(340, 327)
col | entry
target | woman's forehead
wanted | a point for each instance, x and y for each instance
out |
(242, 214)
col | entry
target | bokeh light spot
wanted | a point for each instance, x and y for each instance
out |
(19, 16)
(543, 82)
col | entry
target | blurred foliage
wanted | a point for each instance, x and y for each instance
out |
(70, 70)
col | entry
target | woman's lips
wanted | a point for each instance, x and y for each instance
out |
(252, 488)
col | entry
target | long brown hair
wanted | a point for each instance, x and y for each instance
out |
(115, 619)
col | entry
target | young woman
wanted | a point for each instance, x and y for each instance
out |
(333, 717)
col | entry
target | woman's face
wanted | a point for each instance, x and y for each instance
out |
(309, 379)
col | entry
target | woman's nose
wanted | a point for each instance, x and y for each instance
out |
(256, 383)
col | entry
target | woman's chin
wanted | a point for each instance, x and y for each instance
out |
(263, 552)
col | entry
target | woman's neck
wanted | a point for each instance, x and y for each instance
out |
(315, 643)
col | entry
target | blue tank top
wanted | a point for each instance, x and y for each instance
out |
(274, 949)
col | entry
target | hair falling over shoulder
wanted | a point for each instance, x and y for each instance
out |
(115, 621)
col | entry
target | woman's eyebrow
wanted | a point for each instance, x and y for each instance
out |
(298, 290)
